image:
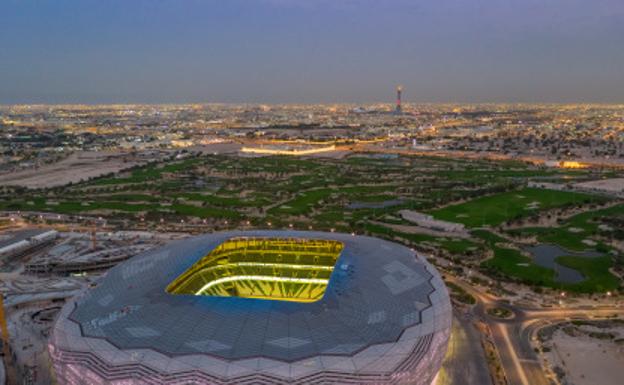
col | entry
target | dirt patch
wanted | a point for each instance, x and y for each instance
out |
(75, 168)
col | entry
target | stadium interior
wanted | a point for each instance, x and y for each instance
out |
(286, 269)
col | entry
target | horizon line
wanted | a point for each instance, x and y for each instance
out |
(92, 104)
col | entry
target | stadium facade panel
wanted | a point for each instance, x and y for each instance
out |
(259, 307)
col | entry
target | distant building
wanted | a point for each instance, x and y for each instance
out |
(565, 164)
(427, 221)
(288, 150)
(21, 242)
(398, 109)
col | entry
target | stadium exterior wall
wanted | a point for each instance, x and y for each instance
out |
(413, 358)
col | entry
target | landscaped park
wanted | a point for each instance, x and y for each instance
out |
(506, 222)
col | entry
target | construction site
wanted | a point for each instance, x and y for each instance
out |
(40, 268)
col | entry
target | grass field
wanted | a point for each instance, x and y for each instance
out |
(496, 209)
(453, 246)
(510, 262)
(599, 279)
(513, 264)
(208, 190)
(572, 233)
(302, 203)
(310, 191)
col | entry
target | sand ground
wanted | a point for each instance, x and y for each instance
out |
(78, 166)
(588, 361)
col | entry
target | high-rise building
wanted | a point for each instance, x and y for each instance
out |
(398, 109)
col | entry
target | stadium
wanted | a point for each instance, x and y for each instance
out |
(259, 307)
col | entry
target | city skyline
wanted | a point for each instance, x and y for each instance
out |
(405, 192)
(279, 51)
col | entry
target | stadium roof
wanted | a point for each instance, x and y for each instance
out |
(377, 291)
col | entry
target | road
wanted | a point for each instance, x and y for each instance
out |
(28, 340)
(465, 361)
(513, 336)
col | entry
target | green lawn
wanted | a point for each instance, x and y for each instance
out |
(76, 206)
(303, 203)
(487, 236)
(596, 270)
(204, 212)
(453, 246)
(129, 197)
(511, 263)
(496, 209)
(149, 173)
(574, 231)
(457, 246)
(221, 201)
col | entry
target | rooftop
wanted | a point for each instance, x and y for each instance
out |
(376, 290)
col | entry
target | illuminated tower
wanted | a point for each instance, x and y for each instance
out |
(398, 101)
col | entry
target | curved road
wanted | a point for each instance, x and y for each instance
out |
(513, 336)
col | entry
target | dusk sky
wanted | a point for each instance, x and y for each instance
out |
(274, 51)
